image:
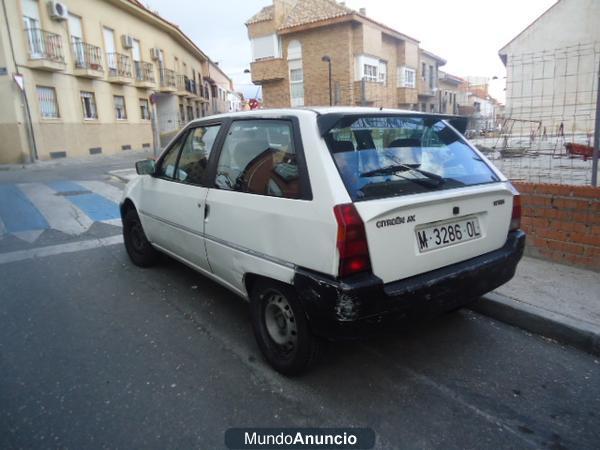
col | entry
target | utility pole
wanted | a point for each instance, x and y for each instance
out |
(596, 133)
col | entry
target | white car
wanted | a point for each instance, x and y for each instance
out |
(329, 221)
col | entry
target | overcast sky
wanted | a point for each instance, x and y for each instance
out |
(467, 33)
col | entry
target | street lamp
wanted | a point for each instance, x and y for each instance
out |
(327, 59)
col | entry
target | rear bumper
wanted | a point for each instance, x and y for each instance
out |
(365, 304)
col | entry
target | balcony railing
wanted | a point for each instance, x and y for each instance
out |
(144, 71)
(167, 78)
(118, 65)
(87, 56)
(181, 81)
(191, 86)
(44, 45)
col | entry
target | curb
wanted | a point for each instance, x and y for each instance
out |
(125, 175)
(577, 333)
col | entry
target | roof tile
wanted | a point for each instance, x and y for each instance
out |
(309, 11)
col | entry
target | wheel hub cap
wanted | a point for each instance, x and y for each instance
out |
(280, 322)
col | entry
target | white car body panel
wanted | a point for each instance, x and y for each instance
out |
(394, 250)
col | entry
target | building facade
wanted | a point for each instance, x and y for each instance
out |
(81, 77)
(552, 71)
(295, 43)
(448, 93)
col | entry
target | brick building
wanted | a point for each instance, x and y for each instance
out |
(371, 63)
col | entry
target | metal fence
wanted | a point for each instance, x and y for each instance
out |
(546, 133)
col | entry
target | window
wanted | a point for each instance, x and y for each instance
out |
(88, 105)
(195, 153)
(144, 109)
(382, 72)
(297, 86)
(190, 112)
(120, 111)
(258, 157)
(48, 104)
(388, 156)
(370, 72)
(266, 47)
(431, 75)
(181, 114)
(168, 164)
(424, 71)
(408, 77)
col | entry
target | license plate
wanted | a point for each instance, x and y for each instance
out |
(446, 234)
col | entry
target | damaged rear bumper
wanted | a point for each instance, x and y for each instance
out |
(365, 304)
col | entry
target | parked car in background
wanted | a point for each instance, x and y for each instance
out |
(330, 221)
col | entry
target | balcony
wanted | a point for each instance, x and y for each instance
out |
(119, 68)
(181, 91)
(168, 80)
(268, 70)
(87, 60)
(424, 89)
(407, 96)
(45, 50)
(144, 74)
(192, 88)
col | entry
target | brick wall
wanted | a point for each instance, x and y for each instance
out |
(562, 223)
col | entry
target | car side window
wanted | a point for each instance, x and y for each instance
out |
(195, 153)
(168, 164)
(258, 157)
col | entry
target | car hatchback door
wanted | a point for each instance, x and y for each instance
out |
(172, 204)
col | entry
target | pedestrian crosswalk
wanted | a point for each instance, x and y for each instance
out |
(71, 207)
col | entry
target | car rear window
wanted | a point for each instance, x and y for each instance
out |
(387, 156)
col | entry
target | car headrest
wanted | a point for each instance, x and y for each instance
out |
(342, 146)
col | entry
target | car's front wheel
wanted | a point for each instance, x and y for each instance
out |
(138, 247)
(281, 328)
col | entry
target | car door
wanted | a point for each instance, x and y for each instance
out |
(257, 201)
(172, 203)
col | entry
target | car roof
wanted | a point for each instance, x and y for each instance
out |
(301, 111)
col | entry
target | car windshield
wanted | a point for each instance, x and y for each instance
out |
(387, 156)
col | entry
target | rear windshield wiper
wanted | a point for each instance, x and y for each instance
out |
(394, 168)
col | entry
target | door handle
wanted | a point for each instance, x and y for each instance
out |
(206, 211)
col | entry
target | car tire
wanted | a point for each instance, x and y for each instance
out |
(138, 247)
(281, 328)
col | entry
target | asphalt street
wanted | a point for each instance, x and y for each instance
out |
(98, 353)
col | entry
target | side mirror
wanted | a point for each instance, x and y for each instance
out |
(145, 167)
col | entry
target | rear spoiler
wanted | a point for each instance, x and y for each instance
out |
(327, 121)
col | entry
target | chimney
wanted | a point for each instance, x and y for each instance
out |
(363, 11)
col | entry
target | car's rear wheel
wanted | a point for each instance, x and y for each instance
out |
(138, 247)
(281, 328)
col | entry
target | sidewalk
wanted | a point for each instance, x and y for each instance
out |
(553, 300)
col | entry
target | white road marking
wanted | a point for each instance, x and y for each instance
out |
(29, 235)
(106, 190)
(116, 222)
(60, 213)
(41, 252)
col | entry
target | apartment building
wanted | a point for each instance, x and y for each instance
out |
(81, 77)
(295, 43)
(448, 92)
(428, 81)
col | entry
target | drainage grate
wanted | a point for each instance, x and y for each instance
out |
(56, 155)
(95, 150)
(126, 147)
(145, 145)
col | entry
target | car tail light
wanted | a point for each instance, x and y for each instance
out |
(351, 241)
(515, 220)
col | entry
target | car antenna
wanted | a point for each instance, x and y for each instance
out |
(381, 108)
